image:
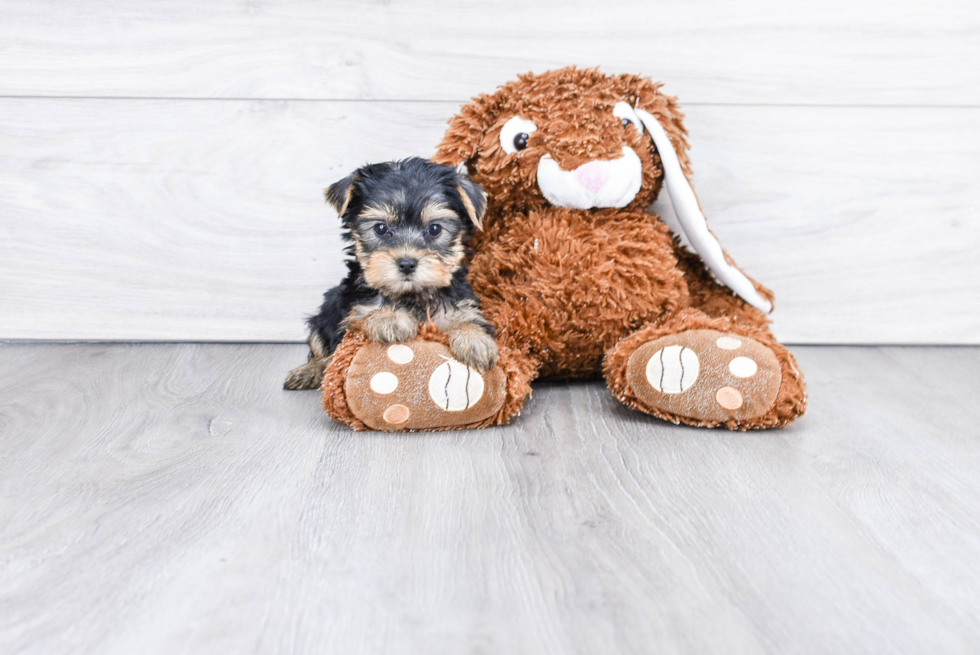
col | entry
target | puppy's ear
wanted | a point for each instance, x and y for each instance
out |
(474, 199)
(339, 194)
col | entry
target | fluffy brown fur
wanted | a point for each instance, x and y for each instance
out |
(572, 293)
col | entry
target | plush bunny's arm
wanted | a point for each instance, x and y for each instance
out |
(693, 222)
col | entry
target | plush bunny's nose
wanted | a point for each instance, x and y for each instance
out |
(592, 176)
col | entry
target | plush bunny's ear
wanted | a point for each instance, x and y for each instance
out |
(339, 194)
(461, 142)
(693, 222)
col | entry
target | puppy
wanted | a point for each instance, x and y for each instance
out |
(407, 222)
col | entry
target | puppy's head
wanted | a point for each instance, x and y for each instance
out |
(408, 221)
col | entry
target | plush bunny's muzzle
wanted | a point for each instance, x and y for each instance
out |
(594, 184)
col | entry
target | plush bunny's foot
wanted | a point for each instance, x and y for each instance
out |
(418, 385)
(705, 375)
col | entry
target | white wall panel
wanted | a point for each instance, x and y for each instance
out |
(708, 51)
(203, 220)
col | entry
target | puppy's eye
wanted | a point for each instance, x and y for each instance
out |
(515, 133)
(381, 229)
(434, 230)
(627, 116)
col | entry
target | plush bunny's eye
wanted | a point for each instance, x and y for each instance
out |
(514, 134)
(627, 116)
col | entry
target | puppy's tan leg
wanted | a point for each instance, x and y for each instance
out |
(385, 324)
(310, 374)
(307, 376)
(473, 346)
(469, 340)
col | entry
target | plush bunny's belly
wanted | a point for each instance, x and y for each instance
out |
(565, 285)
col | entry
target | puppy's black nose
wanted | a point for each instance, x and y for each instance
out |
(407, 264)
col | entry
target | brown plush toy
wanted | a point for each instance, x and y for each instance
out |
(579, 278)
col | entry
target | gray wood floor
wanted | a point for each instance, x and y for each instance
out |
(172, 499)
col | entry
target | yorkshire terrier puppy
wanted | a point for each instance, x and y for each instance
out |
(407, 222)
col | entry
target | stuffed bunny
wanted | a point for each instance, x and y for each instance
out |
(579, 278)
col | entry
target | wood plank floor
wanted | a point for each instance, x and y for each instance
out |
(171, 498)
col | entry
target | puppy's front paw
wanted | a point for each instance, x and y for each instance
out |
(390, 326)
(474, 347)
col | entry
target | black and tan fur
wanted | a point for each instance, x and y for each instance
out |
(408, 223)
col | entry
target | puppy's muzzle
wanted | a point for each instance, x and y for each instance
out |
(406, 270)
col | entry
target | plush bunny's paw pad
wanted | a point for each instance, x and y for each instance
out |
(418, 385)
(705, 375)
